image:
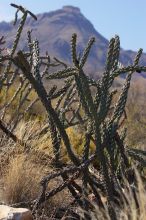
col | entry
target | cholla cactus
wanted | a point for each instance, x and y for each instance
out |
(100, 127)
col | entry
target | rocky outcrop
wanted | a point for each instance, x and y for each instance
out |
(10, 213)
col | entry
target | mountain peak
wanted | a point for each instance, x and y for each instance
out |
(71, 9)
(54, 31)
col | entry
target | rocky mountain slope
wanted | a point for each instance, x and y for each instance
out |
(54, 31)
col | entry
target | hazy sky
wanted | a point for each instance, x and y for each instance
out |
(127, 18)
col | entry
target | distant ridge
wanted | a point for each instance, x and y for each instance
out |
(54, 30)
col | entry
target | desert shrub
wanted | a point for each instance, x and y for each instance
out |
(77, 140)
(136, 120)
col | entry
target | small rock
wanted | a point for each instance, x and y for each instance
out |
(10, 213)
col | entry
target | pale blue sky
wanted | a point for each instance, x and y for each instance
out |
(127, 18)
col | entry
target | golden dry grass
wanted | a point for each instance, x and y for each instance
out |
(21, 172)
(21, 180)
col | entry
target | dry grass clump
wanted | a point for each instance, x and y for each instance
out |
(8, 149)
(21, 180)
(22, 185)
(22, 171)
